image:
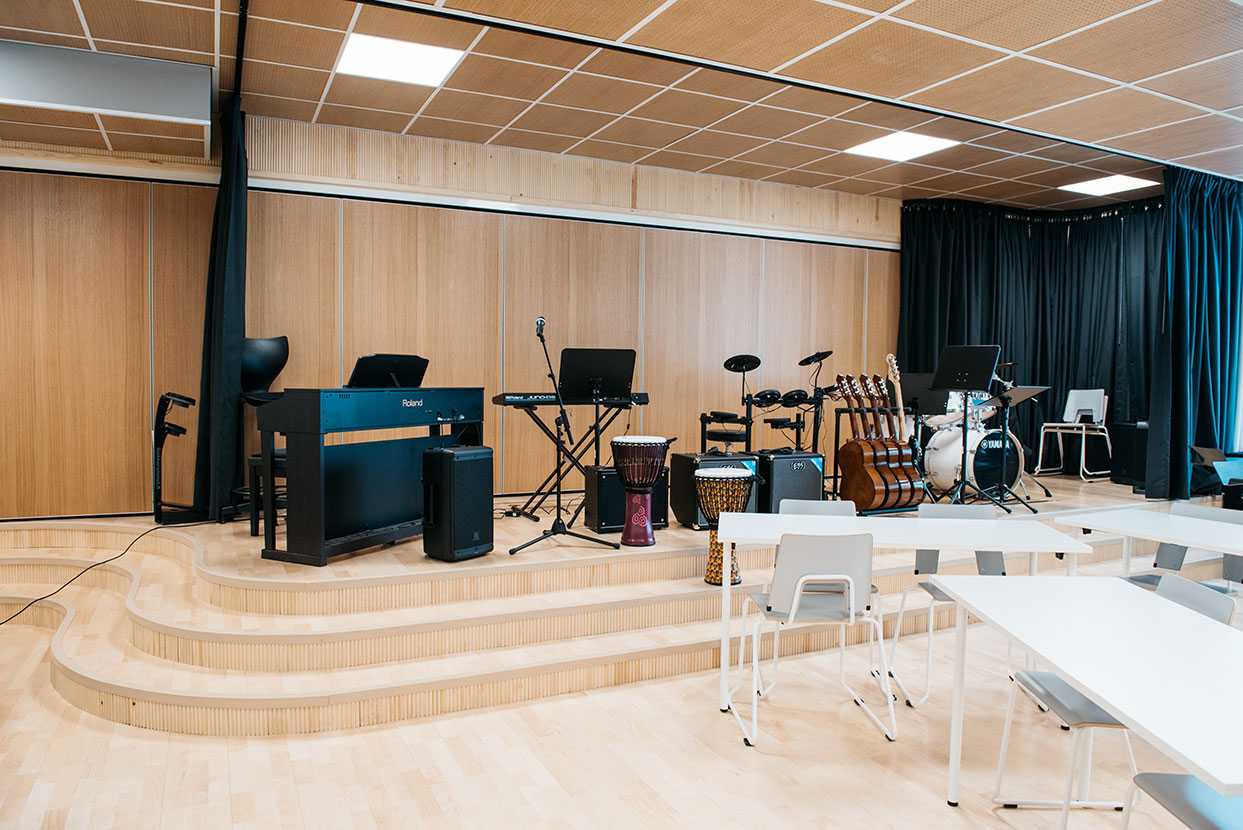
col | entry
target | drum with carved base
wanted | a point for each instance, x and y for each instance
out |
(638, 460)
(721, 490)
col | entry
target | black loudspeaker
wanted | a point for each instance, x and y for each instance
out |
(457, 499)
(788, 475)
(682, 469)
(605, 508)
(1129, 464)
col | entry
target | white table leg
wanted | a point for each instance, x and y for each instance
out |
(956, 707)
(727, 559)
(1033, 563)
(1072, 564)
(1127, 550)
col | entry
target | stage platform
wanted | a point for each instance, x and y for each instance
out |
(193, 632)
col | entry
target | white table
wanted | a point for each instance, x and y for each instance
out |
(1005, 535)
(1168, 673)
(1133, 523)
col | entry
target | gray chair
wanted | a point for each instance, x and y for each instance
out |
(1189, 800)
(1079, 402)
(987, 563)
(803, 560)
(1082, 715)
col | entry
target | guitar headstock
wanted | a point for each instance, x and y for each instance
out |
(894, 375)
(882, 391)
(865, 385)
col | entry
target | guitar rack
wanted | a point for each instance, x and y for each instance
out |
(836, 477)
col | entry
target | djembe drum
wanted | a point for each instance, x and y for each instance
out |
(638, 460)
(721, 490)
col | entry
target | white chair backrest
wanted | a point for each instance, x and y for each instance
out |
(1205, 511)
(987, 562)
(1212, 604)
(799, 556)
(816, 507)
(1093, 400)
(957, 511)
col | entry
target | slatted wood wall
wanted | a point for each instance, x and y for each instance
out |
(103, 287)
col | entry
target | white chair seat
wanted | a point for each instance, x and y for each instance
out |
(1060, 697)
(1192, 802)
(813, 607)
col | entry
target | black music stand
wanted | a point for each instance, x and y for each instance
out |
(384, 371)
(559, 527)
(1006, 400)
(967, 369)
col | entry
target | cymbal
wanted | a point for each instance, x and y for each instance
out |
(815, 358)
(742, 363)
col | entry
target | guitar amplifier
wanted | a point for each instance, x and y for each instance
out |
(457, 493)
(785, 474)
(682, 497)
(604, 500)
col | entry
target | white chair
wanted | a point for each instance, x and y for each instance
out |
(1083, 716)
(845, 561)
(1078, 402)
(988, 563)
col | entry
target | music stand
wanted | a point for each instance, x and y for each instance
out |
(1006, 400)
(589, 376)
(384, 371)
(967, 369)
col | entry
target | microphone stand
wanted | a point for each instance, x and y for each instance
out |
(559, 527)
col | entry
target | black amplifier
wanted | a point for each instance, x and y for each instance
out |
(785, 474)
(604, 508)
(682, 467)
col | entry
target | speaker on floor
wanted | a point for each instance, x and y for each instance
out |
(682, 497)
(457, 502)
(605, 500)
(785, 474)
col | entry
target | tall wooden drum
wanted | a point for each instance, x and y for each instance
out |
(721, 490)
(638, 460)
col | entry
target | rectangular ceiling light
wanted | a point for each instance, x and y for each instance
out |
(397, 60)
(1107, 185)
(901, 146)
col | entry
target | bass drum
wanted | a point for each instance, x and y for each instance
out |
(943, 458)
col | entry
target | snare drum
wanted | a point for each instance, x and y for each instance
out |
(638, 460)
(721, 490)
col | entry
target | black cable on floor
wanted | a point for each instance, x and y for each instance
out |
(133, 542)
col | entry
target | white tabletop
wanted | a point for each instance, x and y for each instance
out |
(1170, 674)
(1136, 522)
(1005, 535)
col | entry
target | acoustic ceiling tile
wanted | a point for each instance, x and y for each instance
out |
(765, 121)
(907, 191)
(595, 93)
(453, 130)
(54, 118)
(1152, 40)
(534, 48)
(632, 67)
(535, 141)
(277, 107)
(356, 91)
(156, 145)
(546, 118)
(43, 134)
(416, 27)
(956, 129)
(607, 20)
(886, 115)
(329, 15)
(1014, 142)
(844, 164)
(961, 156)
(1069, 153)
(1044, 198)
(1070, 174)
(1013, 24)
(680, 107)
(154, 24)
(470, 106)
(1227, 162)
(478, 73)
(281, 81)
(803, 178)
(903, 173)
(610, 151)
(1004, 190)
(743, 32)
(955, 181)
(1217, 84)
(860, 187)
(44, 37)
(1009, 89)
(1014, 167)
(1112, 113)
(44, 16)
(1126, 166)
(743, 170)
(295, 45)
(729, 85)
(391, 122)
(159, 52)
(814, 101)
(147, 126)
(837, 135)
(1210, 132)
(679, 161)
(890, 59)
(721, 145)
(643, 133)
(781, 154)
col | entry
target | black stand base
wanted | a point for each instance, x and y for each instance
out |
(559, 529)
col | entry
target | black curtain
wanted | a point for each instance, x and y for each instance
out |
(1072, 297)
(217, 468)
(1196, 378)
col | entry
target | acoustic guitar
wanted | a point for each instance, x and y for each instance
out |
(917, 492)
(866, 477)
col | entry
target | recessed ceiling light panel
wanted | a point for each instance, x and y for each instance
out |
(1107, 185)
(901, 146)
(397, 60)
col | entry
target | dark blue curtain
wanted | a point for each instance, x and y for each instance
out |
(1196, 377)
(1072, 297)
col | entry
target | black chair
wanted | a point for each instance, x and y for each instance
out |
(263, 359)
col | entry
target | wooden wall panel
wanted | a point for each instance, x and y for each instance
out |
(702, 296)
(426, 281)
(884, 286)
(584, 278)
(181, 248)
(74, 355)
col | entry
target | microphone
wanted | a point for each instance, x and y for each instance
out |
(539, 326)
